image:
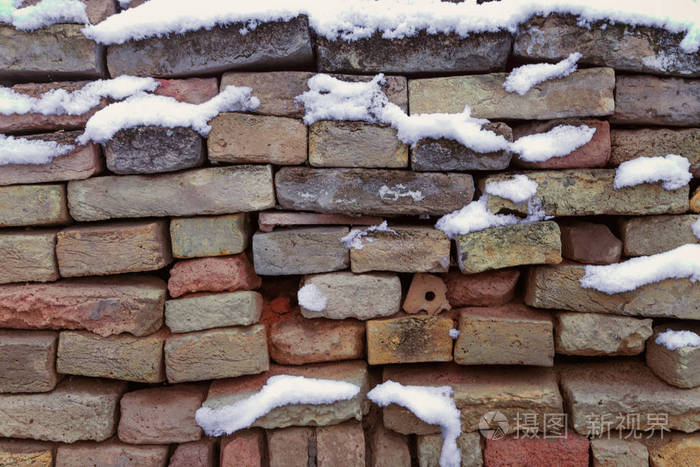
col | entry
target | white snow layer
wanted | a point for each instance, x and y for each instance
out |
(358, 19)
(353, 240)
(150, 109)
(673, 170)
(696, 228)
(311, 298)
(25, 151)
(560, 141)
(523, 78)
(674, 340)
(680, 263)
(454, 333)
(433, 405)
(278, 391)
(44, 13)
(518, 189)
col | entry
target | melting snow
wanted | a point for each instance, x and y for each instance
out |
(523, 78)
(311, 298)
(518, 189)
(16, 150)
(674, 340)
(673, 170)
(354, 238)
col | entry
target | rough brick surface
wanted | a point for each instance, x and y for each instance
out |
(268, 220)
(629, 144)
(589, 243)
(199, 312)
(387, 448)
(683, 450)
(648, 100)
(618, 453)
(243, 448)
(20, 453)
(194, 237)
(289, 447)
(224, 274)
(599, 334)
(650, 235)
(27, 361)
(571, 451)
(429, 449)
(482, 289)
(30, 205)
(27, 256)
(111, 452)
(194, 454)
(409, 339)
(342, 444)
(679, 367)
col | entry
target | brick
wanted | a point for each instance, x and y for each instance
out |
(623, 387)
(679, 367)
(161, 415)
(649, 100)
(506, 335)
(695, 201)
(557, 287)
(584, 93)
(199, 312)
(372, 192)
(111, 452)
(342, 444)
(132, 304)
(27, 361)
(571, 451)
(586, 192)
(628, 144)
(268, 220)
(410, 249)
(195, 454)
(27, 256)
(219, 190)
(99, 10)
(122, 357)
(594, 334)
(113, 248)
(30, 205)
(589, 243)
(193, 237)
(275, 44)
(684, 450)
(409, 339)
(510, 245)
(381, 295)
(243, 448)
(16, 453)
(238, 138)
(300, 251)
(482, 289)
(649, 235)
(618, 453)
(191, 90)
(429, 449)
(218, 274)
(226, 392)
(77, 409)
(387, 449)
(289, 447)
(217, 353)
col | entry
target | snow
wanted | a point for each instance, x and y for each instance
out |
(392, 19)
(519, 189)
(44, 13)
(278, 391)
(674, 340)
(454, 333)
(15, 150)
(124, 3)
(353, 240)
(560, 141)
(673, 170)
(523, 78)
(311, 298)
(60, 101)
(433, 405)
(164, 111)
(696, 228)
(680, 263)
(399, 191)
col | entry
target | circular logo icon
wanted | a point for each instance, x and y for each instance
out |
(493, 425)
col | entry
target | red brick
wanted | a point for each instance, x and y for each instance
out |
(589, 243)
(482, 289)
(216, 274)
(195, 454)
(244, 448)
(27, 361)
(289, 447)
(571, 451)
(340, 445)
(388, 449)
(191, 90)
(111, 453)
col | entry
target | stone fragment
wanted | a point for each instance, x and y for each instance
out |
(628, 144)
(586, 192)
(195, 454)
(649, 235)
(217, 353)
(132, 304)
(387, 448)
(510, 245)
(113, 248)
(154, 149)
(289, 447)
(193, 237)
(300, 251)
(624, 387)
(218, 274)
(161, 415)
(444, 154)
(570, 451)
(31, 205)
(420, 53)
(589, 243)
(238, 138)
(274, 44)
(20, 453)
(342, 444)
(77, 409)
(558, 287)
(648, 100)
(506, 335)
(679, 452)
(199, 312)
(27, 256)
(594, 334)
(27, 361)
(679, 367)
(427, 293)
(373, 192)
(111, 452)
(409, 249)
(216, 190)
(429, 449)
(584, 93)
(482, 289)
(243, 448)
(268, 220)
(121, 357)
(409, 339)
(359, 296)
(619, 453)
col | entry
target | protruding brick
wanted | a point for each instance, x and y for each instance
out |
(387, 448)
(27, 361)
(111, 452)
(195, 454)
(571, 451)
(650, 235)
(483, 289)
(594, 334)
(679, 367)
(199, 312)
(289, 447)
(429, 449)
(219, 274)
(218, 353)
(122, 357)
(27, 256)
(628, 144)
(194, 237)
(30, 205)
(16, 453)
(409, 339)
(619, 453)
(268, 220)
(648, 100)
(243, 448)
(342, 444)
(589, 243)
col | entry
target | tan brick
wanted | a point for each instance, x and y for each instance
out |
(642, 100)
(289, 447)
(201, 312)
(679, 367)
(619, 453)
(27, 256)
(193, 237)
(599, 334)
(409, 339)
(16, 453)
(485, 288)
(429, 449)
(195, 454)
(111, 452)
(243, 448)
(695, 201)
(682, 451)
(27, 205)
(628, 144)
(219, 274)
(27, 361)
(649, 235)
(342, 444)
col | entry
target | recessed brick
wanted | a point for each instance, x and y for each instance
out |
(387, 448)
(198, 312)
(195, 454)
(649, 235)
(111, 452)
(482, 289)
(589, 243)
(27, 256)
(27, 361)
(194, 237)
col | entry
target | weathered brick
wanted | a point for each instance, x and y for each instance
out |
(28, 205)
(584, 93)
(410, 249)
(342, 444)
(199, 312)
(679, 367)
(628, 144)
(289, 447)
(77, 409)
(218, 353)
(27, 256)
(373, 192)
(27, 361)
(485, 288)
(191, 90)
(132, 304)
(387, 448)
(218, 274)
(219, 190)
(300, 251)
(193, 237)
(409, 339)
(598, 334)
(122, 357)
(16, 453)
(506, 335)
(429, 449)
(195, 454)
(113, 248)
(589, 243)
(111, 452)
(641, 100)
(268, 220)
(161, 415)
(681, 450)
(571, 451)
(695, 201)
(649, 235)
(618, 453)
(243, 448)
